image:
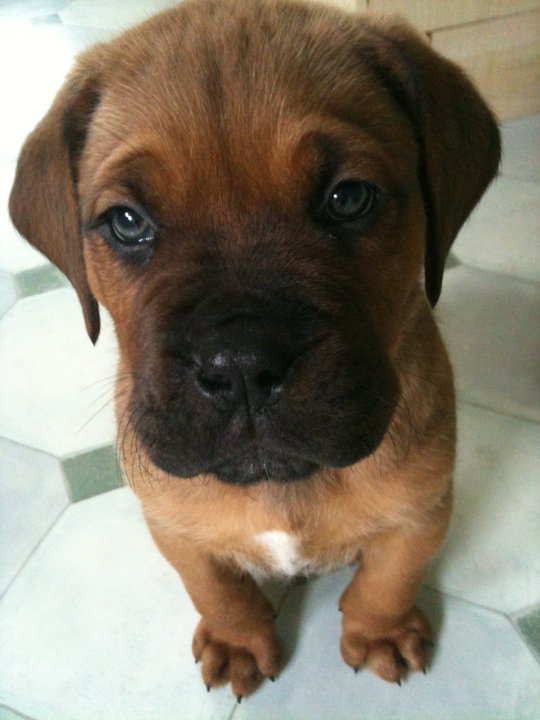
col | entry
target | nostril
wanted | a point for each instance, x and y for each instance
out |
(215, 384)
(266, 379)
(269, 386)
(242, 369)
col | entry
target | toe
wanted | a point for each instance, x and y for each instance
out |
(386, 662)
(414, 648)
(214, 670)
(244, 673)
(354, 650)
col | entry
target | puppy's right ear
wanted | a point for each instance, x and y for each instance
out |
(44, 204)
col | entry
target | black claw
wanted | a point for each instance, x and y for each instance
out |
(208, 688)
(398, 682)
(424, 670)
(400, 660)
(356, 669)
(239, 698)
(272, 678)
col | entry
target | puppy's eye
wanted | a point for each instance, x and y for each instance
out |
(350, 200)
(129, 227)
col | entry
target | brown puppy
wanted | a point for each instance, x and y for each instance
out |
(263, 194)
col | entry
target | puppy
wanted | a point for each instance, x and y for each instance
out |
(263, 194)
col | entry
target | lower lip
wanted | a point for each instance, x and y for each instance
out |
(247, 471)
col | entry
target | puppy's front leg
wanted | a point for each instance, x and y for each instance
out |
(235, 640)
(382, 629)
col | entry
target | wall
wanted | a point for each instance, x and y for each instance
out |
(496, 41)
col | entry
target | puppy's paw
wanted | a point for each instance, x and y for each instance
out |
(391, 654)
(243, 658)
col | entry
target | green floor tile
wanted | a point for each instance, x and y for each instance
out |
(40, 280)
(451, 262)
(529, 626)
(92, 473)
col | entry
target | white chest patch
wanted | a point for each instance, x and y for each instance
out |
(282, 550)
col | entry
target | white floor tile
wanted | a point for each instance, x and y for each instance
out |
(481, 668)
(99, 626)
(30, 8)
(32, 497)
(521, 148)
(491, 326)
(503, 233)
(15, 253)
(491, 554)
(118, 15)
(29, 91)
(56, 386)
(8, 292)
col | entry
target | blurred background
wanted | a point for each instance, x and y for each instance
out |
(93, 623)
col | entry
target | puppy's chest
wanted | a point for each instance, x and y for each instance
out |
(286, 554)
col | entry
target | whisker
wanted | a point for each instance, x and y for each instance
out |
(94, 415)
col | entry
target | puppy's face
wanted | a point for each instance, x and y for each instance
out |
(255, 221)
(253, 233)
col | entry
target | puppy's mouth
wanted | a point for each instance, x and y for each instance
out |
(252, 464)
(260, 466)
(250, 397)
(264, 463)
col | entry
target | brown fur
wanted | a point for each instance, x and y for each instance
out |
(212, 116)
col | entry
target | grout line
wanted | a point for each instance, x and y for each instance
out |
(488, 271)
(478, 605)
(496, 411)
(30, 447)
(34, 550)
(233, 711)
(509, 617)
(16, 713)
(518, 178)
(527, 610)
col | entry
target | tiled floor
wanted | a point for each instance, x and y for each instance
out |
(95, 625)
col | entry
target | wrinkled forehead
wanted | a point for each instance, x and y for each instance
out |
(243, 108)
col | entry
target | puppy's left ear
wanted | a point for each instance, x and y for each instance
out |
(456, 134)
(43, 204)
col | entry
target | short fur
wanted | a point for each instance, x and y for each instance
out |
(228, 123)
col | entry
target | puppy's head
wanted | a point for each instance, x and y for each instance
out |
(255, 191)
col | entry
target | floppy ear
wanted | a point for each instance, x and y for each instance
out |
(43, 204)
(456, 134)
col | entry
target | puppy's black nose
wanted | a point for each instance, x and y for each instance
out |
(235, 371)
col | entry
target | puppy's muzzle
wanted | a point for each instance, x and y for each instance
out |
(260, 386)
(241, 365)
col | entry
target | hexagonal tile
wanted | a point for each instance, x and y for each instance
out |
(491, 553)
(32, 497)
(99, 626)
(521, 148)
(490, 324)
(16, 254)
(481, 667)
(57, 388)
(503, 232)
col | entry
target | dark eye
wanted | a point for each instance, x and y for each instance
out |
(129, 227)
(350, 200)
